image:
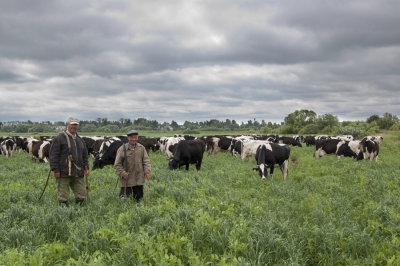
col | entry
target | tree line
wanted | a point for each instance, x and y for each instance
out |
(299, 122)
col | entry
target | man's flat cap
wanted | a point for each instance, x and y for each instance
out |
(132, 132)
(73, 121)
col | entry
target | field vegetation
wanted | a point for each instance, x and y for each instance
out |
(328, 212)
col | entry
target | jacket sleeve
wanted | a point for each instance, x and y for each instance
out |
(54, 155)
(118, 164)
(146, 162)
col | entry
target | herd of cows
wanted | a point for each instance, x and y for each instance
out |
(268, 150)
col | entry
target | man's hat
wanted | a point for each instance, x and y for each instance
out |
(132, 132)
(73, 121)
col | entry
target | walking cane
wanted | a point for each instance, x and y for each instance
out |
(87, 190)
(47, 181)
(148, 192)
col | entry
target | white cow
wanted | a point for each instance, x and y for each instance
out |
(249, 148)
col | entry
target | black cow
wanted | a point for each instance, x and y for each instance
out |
(270, 154)
(289, 141)
(148, 143)
(188, 152)
(107, 154)
(309, 140)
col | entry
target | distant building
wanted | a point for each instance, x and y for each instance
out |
(60, 128)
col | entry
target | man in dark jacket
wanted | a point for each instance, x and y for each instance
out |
(69, 161)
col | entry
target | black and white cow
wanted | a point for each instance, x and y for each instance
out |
(107, 153)
(377, 139)
(270, 154)
(299, 138)
(39, 150)
(217, 144)
(170, 145)
(7, 146)
(249, 148)
(188, 152)
(370, 149)
(338, 147)
(289, 141)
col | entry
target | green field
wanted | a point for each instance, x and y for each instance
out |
(328, 212)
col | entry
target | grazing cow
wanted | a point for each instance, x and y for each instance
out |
(216, 144)
(148, 143)
(322, 137)
(19, 143)
(299, 138)
(289, 141)
(107, 153)
(95, 149)
(7, 147)
(377, 139)
(39, 150)
(270, 154)
(249, 148)
(345, 137)
(309, 140)
(370, 149)
(171, 144)
(337, 147)
(188, 152)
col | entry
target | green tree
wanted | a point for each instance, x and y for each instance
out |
(299, 119)
(88, 128)
(387, 121)
(174, 125)
(373, 118)
(22, 128)
(327, 122)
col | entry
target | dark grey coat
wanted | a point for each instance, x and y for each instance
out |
(59, 152)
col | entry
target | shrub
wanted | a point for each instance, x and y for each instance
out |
(191, 131)
(309, 129)
(349, 130)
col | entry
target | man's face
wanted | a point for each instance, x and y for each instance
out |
(72, 128)
(133, 139)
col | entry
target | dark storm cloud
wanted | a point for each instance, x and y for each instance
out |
(198, 61)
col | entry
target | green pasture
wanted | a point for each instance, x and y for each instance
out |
(328, 212)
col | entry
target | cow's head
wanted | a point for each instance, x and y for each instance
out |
(173, 163)
(98, 163)
(262, 170)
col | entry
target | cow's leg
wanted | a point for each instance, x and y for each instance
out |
(271, 171)
(198, 164)
(284, 168)
(187, 167)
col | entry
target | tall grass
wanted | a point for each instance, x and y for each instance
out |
(328, 212)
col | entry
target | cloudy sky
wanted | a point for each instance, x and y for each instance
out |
(198, 60)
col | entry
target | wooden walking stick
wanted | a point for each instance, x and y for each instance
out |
(148, 192)
(45, 186)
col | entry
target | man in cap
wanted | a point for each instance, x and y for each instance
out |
(69, 161)
(132, 165)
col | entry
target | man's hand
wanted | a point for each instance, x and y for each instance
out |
(87, 172)
(147, 176)
(125, 175)
(57, 175)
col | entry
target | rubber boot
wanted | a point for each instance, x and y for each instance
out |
(63, 203)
